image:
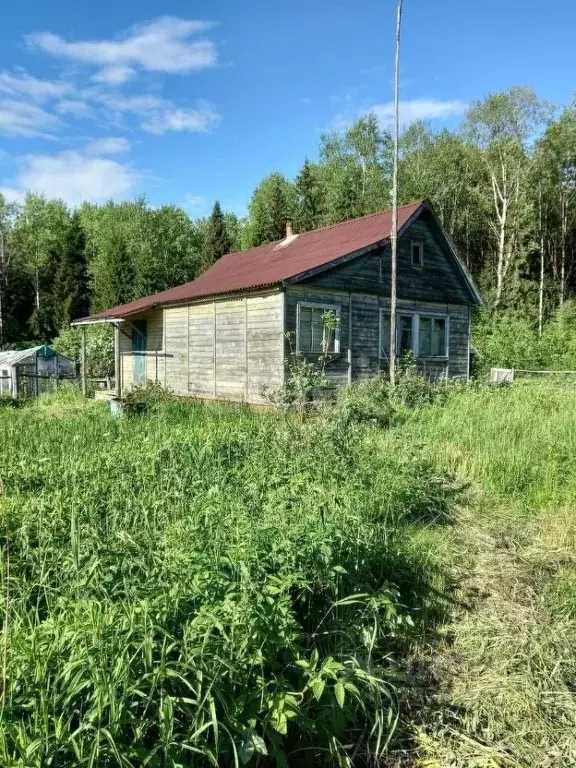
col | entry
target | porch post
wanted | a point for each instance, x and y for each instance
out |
(117, 362)
(83, 361)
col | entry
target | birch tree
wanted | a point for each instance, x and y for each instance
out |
(503, 127)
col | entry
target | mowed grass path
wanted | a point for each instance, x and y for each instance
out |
(505, 670)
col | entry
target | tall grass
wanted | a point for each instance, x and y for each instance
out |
(519, 442)
(203, 586)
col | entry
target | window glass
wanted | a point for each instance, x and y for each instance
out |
(438, 337)
(432, 342)
(313, 336)
(425, 342)
(385, 333)
(404, 334)
(417, 254)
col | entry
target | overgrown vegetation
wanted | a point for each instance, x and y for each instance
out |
(206, 585)
(187, 588)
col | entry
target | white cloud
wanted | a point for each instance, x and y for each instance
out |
(412, 110)
(22, 84)
(112, 145)
(71, 176)
(194, 201)
(76, 108)
(178, 120)
(117, 102)
(20, 119)
(160, 45)
(114, 75)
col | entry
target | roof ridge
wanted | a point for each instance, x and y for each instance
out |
(325, 227)
(341, 223)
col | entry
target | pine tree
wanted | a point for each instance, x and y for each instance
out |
(71, 292)
(216, 240)
(345, 199)
(309, 199)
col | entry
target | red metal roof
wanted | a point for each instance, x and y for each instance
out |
(272, 264)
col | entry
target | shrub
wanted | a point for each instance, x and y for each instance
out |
(413, 390)
(368, 402)
(145, 399)
(7, 401)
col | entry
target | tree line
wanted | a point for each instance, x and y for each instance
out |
(503, 184)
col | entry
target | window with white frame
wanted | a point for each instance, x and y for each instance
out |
(432, 337)
(315, 334)
(424, 335)
(417, 253)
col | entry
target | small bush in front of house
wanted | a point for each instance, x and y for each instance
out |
(413, 390)
(304, 380)
(145, 399)
(365, 402)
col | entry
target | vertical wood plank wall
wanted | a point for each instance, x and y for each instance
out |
(232, 349)
(229, 349)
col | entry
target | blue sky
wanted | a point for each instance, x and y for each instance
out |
(187, 102)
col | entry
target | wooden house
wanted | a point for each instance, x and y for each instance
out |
(28, 372)
(229, 333)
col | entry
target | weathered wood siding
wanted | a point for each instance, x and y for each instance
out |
(228, 349)
(201, 325)
(440, 278)
(265, 337)
(360, 337)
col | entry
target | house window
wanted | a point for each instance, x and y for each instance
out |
(314, 335)
(404, 334)
(425, 335)
(417, 252)
(432, 337)
(405, 329)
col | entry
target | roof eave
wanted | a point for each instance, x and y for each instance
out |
(97, 320)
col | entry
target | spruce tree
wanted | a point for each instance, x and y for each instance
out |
(271, 205)
(309, 196)
(216, 240)
(277, 211)
(112, 274)
(123, 274)
(71, 291)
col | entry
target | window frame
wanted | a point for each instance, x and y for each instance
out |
(420, 244)
(336, 308)
(415, 342)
